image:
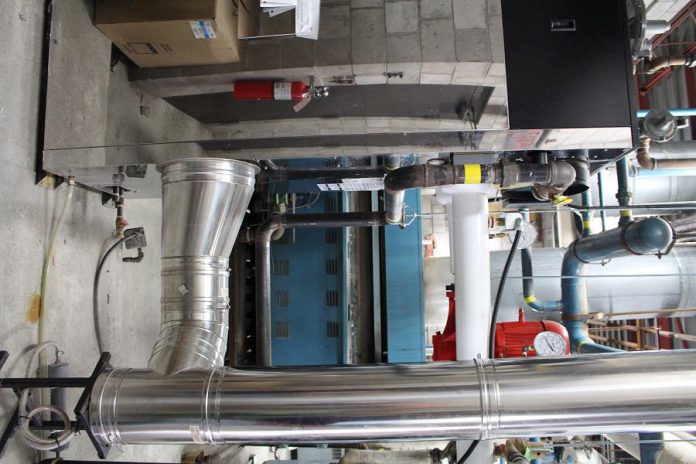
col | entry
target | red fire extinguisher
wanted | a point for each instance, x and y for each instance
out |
(278, 90)
(270, 90)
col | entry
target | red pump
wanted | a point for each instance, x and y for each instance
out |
(512, 339)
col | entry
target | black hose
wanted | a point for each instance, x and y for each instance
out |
(95, 288)
(468, 452)
(499, 294)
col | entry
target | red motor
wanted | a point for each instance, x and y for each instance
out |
(512, 339)
(517, 339)
(270, 90)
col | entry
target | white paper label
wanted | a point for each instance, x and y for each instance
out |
(363, 185)
(354, 185)
(282, 91)
(202, 29)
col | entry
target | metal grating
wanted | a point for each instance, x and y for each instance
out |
(281, 330)
(332, 329)
(331, 236)
(282, 298)
(281, 267)
(332, 298)
(333, 266)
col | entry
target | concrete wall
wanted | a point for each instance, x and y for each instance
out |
(364, 42)
(130, 292)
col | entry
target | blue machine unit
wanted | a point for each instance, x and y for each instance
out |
(403, 253)
(309, 310)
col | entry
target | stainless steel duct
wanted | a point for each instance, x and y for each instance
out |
(590, 394)
(203, 204)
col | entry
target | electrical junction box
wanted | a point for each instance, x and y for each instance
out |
(569, 65)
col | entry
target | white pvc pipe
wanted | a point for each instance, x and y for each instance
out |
(472, 269)
(467, 213)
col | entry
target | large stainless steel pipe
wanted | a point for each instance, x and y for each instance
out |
(590, 394)
(203, 204)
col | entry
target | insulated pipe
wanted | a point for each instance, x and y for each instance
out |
(663, 62)
(468, 213)
(646, 161)
(263, 238)
(649, 236)
(203, 204)
(611, 393)
(393, 201)
(467, 207)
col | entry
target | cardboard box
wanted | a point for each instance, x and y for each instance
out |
(156, 33)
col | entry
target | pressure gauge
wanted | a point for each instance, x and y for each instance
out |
(550, 344)
(528, 237)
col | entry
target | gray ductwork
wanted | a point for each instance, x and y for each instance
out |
(203, 205)
(590, 394)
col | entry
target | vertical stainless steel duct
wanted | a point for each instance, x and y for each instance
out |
(203, 203)
(589, 394)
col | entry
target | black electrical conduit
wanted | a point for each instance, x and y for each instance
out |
(263, 238)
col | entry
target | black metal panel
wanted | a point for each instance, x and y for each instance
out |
(568, 64)
(412, 101)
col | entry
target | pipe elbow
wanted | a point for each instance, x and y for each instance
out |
(643, 157)
(419, 176)
(648, 236)
(268, 229)
(663, 62)
(405, 178)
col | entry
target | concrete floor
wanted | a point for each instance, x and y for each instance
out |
(130, 292)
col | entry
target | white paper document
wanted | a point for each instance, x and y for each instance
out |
(306, 15)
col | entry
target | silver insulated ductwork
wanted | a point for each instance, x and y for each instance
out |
(591, 394)
(203, 204)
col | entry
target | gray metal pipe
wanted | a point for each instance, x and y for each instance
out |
(547, 179)
(393, 201)
(575, 395)
(203, 203)
(263, 263)
(623, 194)
(649, 236)
(646, 161)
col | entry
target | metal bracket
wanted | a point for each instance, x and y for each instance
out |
(81, 408)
